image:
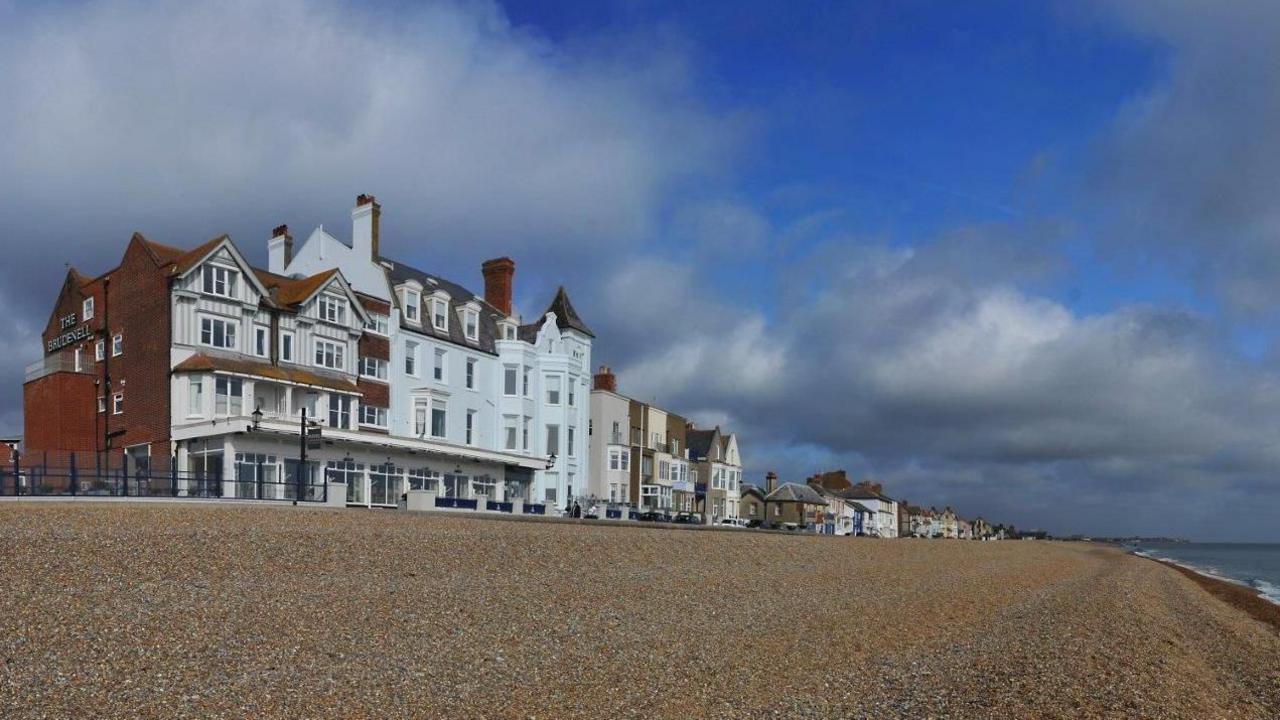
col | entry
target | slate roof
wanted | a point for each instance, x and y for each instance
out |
(566, 317)
(797, 493)
(749, 489)
(699, 442)
(458, 297)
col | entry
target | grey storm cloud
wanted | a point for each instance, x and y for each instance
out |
(1189, 174)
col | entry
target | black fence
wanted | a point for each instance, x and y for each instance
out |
(76, 480)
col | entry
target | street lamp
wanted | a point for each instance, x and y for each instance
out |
(257, 419)
(551, 461)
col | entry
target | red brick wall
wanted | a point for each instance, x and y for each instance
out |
(60, 410)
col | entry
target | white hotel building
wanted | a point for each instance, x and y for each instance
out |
(206, 366)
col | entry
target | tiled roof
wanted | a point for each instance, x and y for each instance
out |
(203, 362)
(188, 260)
(292, 292)
(699, 442)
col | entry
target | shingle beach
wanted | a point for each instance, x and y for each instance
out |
(158, 611)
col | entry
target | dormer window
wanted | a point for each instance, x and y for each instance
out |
(440, 314)
(471, 323)
(332, 309)
(412, 305)
(219, 280)
(509, 331)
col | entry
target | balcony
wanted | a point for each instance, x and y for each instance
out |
(50, 364)
(682, 486)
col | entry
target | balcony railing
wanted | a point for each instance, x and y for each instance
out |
(50, 364)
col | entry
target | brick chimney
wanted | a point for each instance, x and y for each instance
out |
(279, 250)
(770, 482)
(604, 379)
(364, 227)
(498, 273)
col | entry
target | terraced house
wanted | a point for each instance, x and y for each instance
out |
(195, 358)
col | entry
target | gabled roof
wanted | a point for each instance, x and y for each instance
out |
(699, 442)
(749, 489)
(797, 493)
(566, 317)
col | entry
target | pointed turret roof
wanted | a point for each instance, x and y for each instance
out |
(566, 317)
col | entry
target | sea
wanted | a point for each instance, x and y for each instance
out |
(1255, 565)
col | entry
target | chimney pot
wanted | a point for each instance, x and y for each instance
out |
(605, 380)
(279, 250)
(498, 274)
(365, 219)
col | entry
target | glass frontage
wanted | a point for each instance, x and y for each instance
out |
(384, 484)
(312, 489)
(455, 486)
(351, 473)
(256, 476)
(424, 479)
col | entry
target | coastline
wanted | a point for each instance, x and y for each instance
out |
(1238, 595)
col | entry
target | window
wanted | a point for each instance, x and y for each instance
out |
(86, 310)
(509, 432)
(420, 410)
(219, 280)
(572, 431)
(117, 403)
(553, 439)
(411, 359)
(195, 397)
(438, 418)
(553, 389)
(440, 314)
(102, 404)
(340, 411)
(437, 371)
(526, 382)
(117, 345)
(261, 345)
(412, 305)
(228, 396)
(79, 352)
(524, 440)
(615, 458)
(379, 324)
(509, 332)
(375, 368)
(330, 354)
(551, 492)
(472, 325)
(625, 458)
(573, 386)
(471, 427)
(424, 479)
(99, 351)
(332, 309)
(373, 415)
(664, 470)
(509, 379)
(286, 346)
(471, 373)
(219, 333)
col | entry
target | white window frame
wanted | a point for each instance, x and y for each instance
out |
(440, 366)
(552, 432)
(373, 368)
(99, 351)
(195, 397)
(117, 404)
(86, 309)
(411, 358)
(512, 388)
(379, 416)
(340, 410)
(332, 309)
(287, 342)
(79, 358)
(470, 435)
(555, 387)
(440, 314)
(117, 345)
(570, 439)
(230, 332)
(262, 341)
(325, 349)
(510, 432)
(378, 324)
(212, 275)
(232, 401)
(412, 306)
(471, 366)
(471, 324)
(443, 407)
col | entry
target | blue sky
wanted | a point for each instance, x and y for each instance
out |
(1012, 257)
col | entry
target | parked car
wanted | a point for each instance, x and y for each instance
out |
(736, 522)
(755, 523)
(687, 519)
(652, 516)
